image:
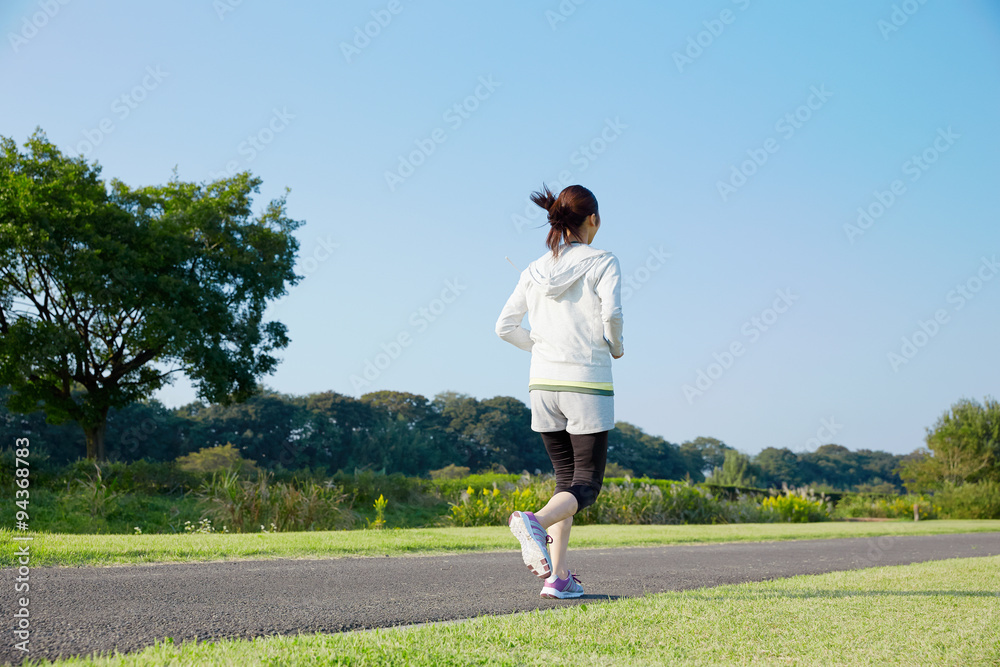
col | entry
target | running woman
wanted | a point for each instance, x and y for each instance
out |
(572, 296)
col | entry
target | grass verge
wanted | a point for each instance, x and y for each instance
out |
(67, 549)
(940, 612)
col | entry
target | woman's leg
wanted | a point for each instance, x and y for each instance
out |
(557, 518)
(560, 544)
(557, 515)
(559, 447)
(581, 465)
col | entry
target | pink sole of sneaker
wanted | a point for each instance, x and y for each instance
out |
(531, 553)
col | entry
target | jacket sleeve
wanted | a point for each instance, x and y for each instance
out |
(509, 325)
(609, 289)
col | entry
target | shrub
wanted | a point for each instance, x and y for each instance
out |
(41, 468)
(451, 489)
(640, 502)
(142, 476)
(216, 459)
(798, 505)
(746, 508)
(635, 502)
(792, 508)
(980, 500)
(95, 495)
(379, 522)
(491, 507)
(884, 507)
(365, 486)
(450, 471)
(243, 505)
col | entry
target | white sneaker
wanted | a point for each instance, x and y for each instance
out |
(562, 589)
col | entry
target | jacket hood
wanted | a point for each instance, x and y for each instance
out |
(555, 276)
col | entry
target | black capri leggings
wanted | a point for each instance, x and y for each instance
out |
(579, 462)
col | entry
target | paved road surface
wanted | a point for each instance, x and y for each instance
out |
(82, 610)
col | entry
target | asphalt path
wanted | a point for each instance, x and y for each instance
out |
(81, 610)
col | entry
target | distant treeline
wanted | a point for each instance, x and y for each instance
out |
(399, 432)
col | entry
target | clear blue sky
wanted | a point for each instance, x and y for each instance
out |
(639, 101)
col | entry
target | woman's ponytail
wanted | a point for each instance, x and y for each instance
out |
(545, 198)
(567, 213)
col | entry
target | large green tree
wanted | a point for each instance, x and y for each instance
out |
(106, 290)
(963, 446)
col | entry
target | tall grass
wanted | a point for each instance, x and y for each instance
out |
(116, 497)
(638, 502)
(244, 505)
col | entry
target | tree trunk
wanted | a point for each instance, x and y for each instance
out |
(95, 438)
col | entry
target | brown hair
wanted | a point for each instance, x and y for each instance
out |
(566, 213)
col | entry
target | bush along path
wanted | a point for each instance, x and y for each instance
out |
(144, 497)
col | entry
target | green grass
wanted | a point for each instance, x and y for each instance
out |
(68, 549)
(69, 512)
(62, 512)
(940, 613)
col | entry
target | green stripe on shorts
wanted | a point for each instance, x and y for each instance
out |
(574, 388)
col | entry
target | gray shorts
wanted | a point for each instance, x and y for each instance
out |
(571, 412)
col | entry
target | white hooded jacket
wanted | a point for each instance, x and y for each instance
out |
(574, 308)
